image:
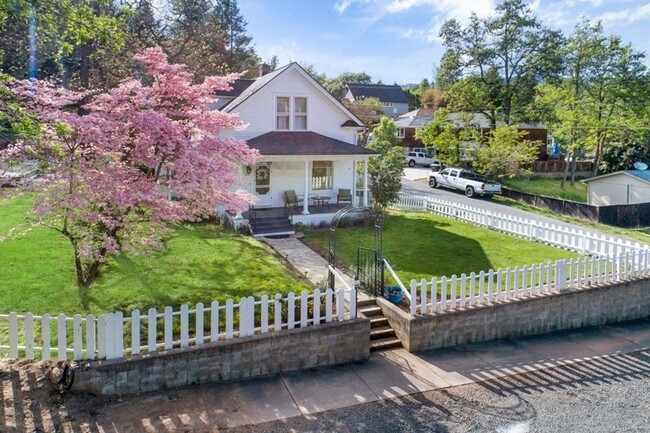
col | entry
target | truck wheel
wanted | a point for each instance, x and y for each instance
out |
(411, 163)
(469, 191)
(432, 182)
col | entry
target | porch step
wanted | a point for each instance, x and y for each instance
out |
(382, 335)
(385, 343)
(271, 225)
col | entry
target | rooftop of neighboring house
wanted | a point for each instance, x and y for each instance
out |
(640, 174)
(415, 119)
(384, 93)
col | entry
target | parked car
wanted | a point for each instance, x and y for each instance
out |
(464, 180)
(420, 158)
(436, 165)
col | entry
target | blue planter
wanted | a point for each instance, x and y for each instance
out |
(393, 294)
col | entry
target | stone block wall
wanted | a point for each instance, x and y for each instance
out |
(259, 355)
(573, 308)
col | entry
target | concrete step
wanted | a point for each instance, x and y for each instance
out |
(370, 311)
(366, 303)
(377, 322)
(385, 343)
(381, 333)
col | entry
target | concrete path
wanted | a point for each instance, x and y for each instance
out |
(385, 375)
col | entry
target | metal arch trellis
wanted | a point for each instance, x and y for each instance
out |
(378, 251)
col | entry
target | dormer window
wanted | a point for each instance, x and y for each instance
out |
(290, 113)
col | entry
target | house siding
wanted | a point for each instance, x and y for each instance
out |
(618, 189)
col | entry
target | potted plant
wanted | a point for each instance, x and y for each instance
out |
(393, 294)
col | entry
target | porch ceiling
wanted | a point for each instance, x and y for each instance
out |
(304, 143)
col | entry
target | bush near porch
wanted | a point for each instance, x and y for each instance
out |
(421, 245)
(200, 263)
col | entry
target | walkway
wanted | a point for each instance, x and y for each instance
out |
(384, 376)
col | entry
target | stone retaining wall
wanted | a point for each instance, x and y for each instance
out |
(572, 308)
(326, 344)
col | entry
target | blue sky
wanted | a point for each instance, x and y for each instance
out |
(396, 40)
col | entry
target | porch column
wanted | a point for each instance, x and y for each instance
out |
(365, 183)
(240, 175)
(354, 183)
(305, 203)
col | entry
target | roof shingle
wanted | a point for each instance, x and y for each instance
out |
(304, 143)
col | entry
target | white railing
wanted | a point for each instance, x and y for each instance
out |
(488, 287)
(113, 335)
(398, 281)
(582, 241)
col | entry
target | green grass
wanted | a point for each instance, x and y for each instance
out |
(422, 245)
(549, 188)
(200, 263)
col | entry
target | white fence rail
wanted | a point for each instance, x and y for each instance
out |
(487, 287)
(582, 241)
(113, 335)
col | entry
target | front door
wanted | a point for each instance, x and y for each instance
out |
(263, 185)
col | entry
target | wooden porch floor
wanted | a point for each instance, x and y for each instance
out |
(271, 212)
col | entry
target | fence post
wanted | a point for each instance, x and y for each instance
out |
(414, 292)
(353, 303)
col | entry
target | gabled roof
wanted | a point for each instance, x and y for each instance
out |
(265, 79)
(415, 119)
(382, 92)
(644, 175)
(303, 143)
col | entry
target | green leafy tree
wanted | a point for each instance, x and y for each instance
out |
(385, 171)
(506, 152)
(369, 111)
(511, 45)
(335, 85)
(452, 136)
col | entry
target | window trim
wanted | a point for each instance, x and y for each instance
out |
(279, 114)
(401, 132)
(292, 114)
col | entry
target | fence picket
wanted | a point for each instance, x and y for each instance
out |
(328, 305)
(61, 342)
(13, 335)
(29, 336)
(340, 304)
(443, 294)
(434, 296)
(135, 332)
(119, 335)
(413, 291)
(185, 326)
(264, 314)
(214, 321)
(101, 337)
(316, 320)
(152, 329)
(169, 327)
(77, 342)
(423, 296)
(304, 317)
(277, 312)
(472, 289)
(90, 337)
(229, 319)
(198, 324)
(291, 310)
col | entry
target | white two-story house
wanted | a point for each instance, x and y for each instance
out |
(307, 142)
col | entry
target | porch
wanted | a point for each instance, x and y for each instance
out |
(280, 220)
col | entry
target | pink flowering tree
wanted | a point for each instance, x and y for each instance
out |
(118, 166)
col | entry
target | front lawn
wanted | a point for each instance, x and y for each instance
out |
(549, 188)
(421, 245)
(200, 263)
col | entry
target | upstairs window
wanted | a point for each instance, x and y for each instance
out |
(290, 113)
(282, 113)
(401, 132)
(300, 113)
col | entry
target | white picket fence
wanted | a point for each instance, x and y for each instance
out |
(113, 335)
(582, 241)
(488, 287)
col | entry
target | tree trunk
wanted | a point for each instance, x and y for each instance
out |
(567, 161)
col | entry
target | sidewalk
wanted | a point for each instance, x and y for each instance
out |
(383, 376)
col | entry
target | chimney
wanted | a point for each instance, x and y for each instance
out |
(264, 69)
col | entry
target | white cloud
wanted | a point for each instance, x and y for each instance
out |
(459, 9)
(626, 16)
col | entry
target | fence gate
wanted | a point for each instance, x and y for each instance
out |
(370, 271)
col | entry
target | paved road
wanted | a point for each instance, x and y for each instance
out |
(600, 396)
(410, 186)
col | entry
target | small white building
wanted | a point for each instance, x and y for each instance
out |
(622, 187)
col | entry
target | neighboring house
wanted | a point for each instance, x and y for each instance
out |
(622, 187)
(393, 98)
(408, 123)
(307, 142)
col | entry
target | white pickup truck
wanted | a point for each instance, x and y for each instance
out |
(464, 180)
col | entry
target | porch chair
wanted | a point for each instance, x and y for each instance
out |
(290, 198)
(343, 196)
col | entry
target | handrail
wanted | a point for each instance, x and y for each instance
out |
(399, 282)
(339, 277)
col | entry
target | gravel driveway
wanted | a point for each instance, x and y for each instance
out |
(606, 395)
